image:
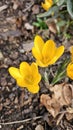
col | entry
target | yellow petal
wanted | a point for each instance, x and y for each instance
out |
(58, 53)
(25, 69)
(38, 45)
(33, 89)
(14, 72)
(50, 54)
(45, 6)
(70, 70)
(21, 82)
(36, 53)
(41, 64)
(34, 68)
(48, 51)
(35, 73)
(38, 42)
(71, 49)
(37, 78)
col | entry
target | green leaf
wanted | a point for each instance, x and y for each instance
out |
(40, 23)
(61, 23)
(36, 24)
(60, 2)
(68, 36)
(53, 9)
(39, 20)
(55, 1)
(61, 72)
(70, 7)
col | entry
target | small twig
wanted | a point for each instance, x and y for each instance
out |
(60, 118)
(28, 7)
(21, 121)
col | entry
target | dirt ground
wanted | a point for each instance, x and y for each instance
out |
(20, 109)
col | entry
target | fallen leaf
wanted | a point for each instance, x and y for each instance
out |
(16, 4)
(35, 9)
(52, 27)
(51, 104)
(69, 114)
(69, 110)
(62, 96)
(28, 26)
(63, 93)
(68, 93)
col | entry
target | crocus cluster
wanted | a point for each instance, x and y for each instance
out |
(45, 53)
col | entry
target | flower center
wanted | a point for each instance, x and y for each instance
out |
(29, 79)
(45, 59)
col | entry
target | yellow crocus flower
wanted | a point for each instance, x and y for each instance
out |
(26, 76)
(46, 53)
(47, 4)
(70, 65)
(70, 70)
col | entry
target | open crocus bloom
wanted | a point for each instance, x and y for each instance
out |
(70, 65)
(47, 4)
(46, 53)
(27, 76)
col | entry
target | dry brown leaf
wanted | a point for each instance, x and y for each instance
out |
(68, 93)
(63, 93)
(16, 4)
(51, 104)
(52, 27)
(69, 114)
(62, 96)
(69, 110)
(35, 9)
(28, 26)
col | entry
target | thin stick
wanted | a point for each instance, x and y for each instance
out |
(28, 7)
(21, 121)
